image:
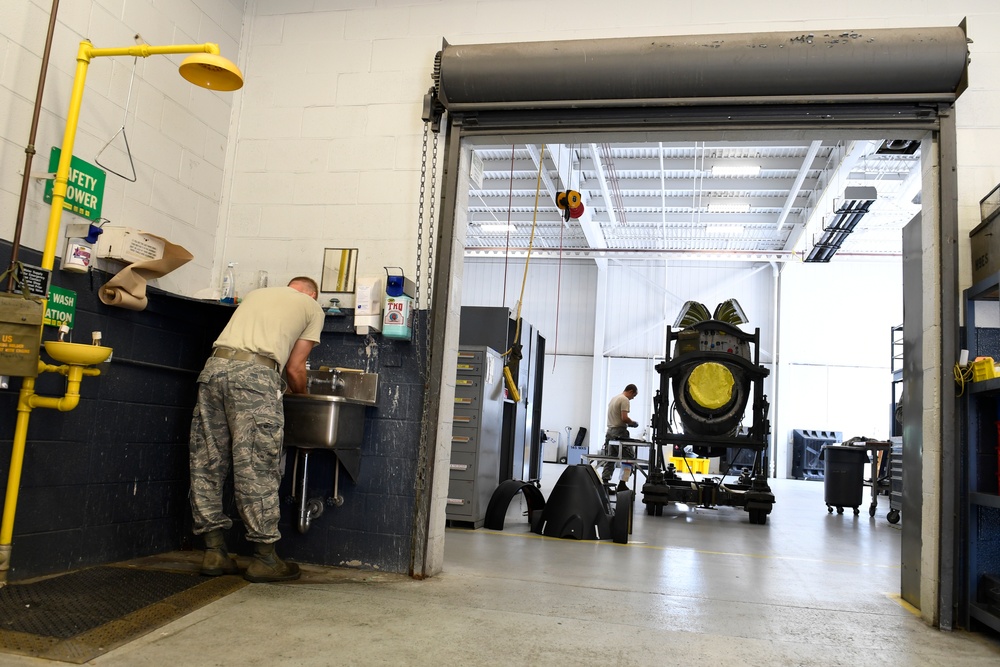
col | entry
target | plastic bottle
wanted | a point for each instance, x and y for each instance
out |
(229, 283)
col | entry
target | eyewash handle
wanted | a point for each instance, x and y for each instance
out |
(511, 387)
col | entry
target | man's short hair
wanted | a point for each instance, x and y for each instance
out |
(308, 281)
(632, 387)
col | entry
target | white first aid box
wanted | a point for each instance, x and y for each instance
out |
(128, 245)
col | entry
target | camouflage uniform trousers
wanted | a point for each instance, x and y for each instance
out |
(614, 433)
(238, 423)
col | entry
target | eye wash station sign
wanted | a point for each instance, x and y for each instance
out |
(84, 189)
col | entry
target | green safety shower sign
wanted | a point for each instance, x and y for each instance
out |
(84, 188)
(60, 308)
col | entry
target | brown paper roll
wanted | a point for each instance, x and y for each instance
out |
(128, 288)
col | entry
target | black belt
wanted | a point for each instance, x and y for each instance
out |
(242, 355)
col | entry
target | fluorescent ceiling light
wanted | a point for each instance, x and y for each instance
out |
(729, 208)
(498, 228)
(736, 170)
(724, 230)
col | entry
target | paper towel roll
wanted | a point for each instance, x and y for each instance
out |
(128, 288)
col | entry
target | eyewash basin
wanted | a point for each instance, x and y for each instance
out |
(76, 354)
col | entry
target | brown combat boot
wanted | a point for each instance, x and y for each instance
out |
(217, 560)
(266, 566)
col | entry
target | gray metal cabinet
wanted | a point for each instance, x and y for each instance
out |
(475, 439)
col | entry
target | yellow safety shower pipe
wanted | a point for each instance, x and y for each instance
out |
(205, 68)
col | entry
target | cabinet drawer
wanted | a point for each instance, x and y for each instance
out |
(467, 402)
(469, 363)
(463, 465)
(459, 502)
(470, 385)
(464, 440)
(465, 417)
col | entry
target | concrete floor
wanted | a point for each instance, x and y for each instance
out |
(701, 586)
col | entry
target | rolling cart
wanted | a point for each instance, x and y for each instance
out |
(844, 474)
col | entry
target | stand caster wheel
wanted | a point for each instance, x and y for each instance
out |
(871, 511)
(840, 510)
(892, 516)
(856, 511)
(829, 509)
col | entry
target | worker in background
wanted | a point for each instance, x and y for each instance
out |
(239, 422)
(618, 425)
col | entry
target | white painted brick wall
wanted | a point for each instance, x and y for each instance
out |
(178, 134)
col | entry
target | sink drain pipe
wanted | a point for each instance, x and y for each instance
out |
(312, 508)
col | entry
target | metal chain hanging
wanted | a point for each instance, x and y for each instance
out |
(430, 224)
(420, 216)
(430, 209)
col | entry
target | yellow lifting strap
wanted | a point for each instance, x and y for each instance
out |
(711, 385)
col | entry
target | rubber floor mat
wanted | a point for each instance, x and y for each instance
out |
(78, 616)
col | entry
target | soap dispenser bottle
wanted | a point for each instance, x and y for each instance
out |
(229, 284)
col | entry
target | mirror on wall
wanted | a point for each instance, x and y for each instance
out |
(339, 268)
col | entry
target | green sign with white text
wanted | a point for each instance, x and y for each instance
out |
(84, 188)
(60, 308)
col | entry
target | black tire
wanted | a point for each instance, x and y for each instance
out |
(658, 508)
(857, 511)
(650, 509)
(840, 510)
(829, 509)
(621, 521)
(871, 511)
(562, 459)
(892, 516)
(758, 517)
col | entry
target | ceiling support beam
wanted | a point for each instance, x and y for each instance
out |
(793, 192)
(602, 179)
(841, 164)
(536, 157)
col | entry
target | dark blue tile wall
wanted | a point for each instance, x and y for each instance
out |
(372, 528)
(108, 481)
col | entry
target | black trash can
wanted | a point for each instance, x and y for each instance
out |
(844, 477)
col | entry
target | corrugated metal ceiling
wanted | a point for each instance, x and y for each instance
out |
(752, 201)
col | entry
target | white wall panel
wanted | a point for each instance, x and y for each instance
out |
(558, 300)
(645, 298)
(568, 379)
(835, 370)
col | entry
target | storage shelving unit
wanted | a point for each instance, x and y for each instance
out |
(896, 426)
(980, 483)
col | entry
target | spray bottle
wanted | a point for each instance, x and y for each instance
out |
(229, 284)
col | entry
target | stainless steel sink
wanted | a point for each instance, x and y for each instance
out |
(351, 384)
(332, 415)
(325, 422)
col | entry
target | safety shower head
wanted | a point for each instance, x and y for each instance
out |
(212, 71)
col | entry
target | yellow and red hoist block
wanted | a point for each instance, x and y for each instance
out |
(570, 201)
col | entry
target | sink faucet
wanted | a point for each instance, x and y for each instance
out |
(334, 381)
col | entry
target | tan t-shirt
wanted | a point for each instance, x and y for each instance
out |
(618, 404)
(270, 320)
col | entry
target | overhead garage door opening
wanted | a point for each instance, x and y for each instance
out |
(815, 99)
